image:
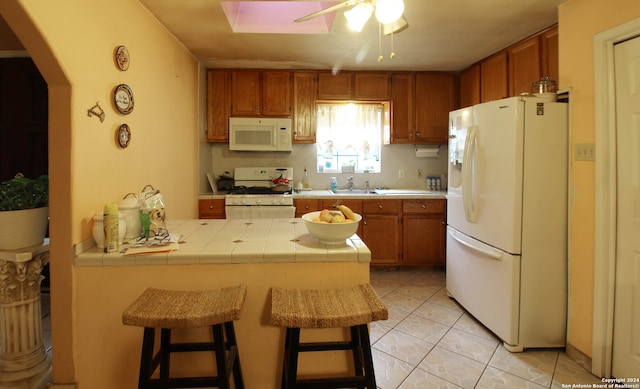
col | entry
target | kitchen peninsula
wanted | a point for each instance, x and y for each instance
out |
(213, 253)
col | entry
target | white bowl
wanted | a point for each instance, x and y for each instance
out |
(334, 234)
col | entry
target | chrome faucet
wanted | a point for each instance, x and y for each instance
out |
(350, 183)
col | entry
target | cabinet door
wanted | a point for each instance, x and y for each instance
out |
(524, 65)
(304, 103)
(245, 93)
(335, 87)
(470, 87)
(371, 86)
(381, 234)
(493, 73)
(550, 54)
(402, 108)
(423, 239)
(276, 93)
(211, 209)
(218, 105)
(435, 98)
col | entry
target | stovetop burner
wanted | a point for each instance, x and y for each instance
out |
(240, 190)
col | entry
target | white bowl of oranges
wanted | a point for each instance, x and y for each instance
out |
(332, 227)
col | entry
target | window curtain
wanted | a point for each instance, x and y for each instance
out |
(349, 129)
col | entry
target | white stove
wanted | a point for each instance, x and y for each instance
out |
(261, 192)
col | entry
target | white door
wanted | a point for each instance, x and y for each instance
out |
(626, 331)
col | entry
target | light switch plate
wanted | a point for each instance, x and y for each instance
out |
(585, 152)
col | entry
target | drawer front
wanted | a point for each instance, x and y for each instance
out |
(306, 205)
(380, 206)
(211, 209)
(424, 206)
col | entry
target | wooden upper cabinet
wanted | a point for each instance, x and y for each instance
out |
(402, 108)
(276, 93)
(335, 87)
(371, 86)
(256, 93)
(550, 64)
(304, 107)
(524, 65)
(494, 76)
(435, 97)
(470, 86)
(245, 93)
(218, 105)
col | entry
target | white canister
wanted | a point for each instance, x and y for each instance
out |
(129, 207)
(98, 229)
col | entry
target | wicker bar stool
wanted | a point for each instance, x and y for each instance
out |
(352, 307)
(167, 310)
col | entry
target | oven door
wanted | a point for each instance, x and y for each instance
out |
(260, 211)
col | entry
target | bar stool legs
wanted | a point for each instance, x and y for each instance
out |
(226, 355)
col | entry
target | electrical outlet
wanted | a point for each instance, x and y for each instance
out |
(585, 152)
(420, 173)
(401, 173)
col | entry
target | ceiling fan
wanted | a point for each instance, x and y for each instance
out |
(389, 13)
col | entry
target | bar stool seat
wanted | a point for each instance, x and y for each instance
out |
(354, 307)
(170, 309)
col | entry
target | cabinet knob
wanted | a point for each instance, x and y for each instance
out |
(423, 206)
(417, 134)
(306, 207)
(364, 222)
(211, 207)
(379, 206)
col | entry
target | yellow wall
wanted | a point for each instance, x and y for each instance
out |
(72, 42)
(579, 21)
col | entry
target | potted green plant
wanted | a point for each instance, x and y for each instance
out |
(24, 211)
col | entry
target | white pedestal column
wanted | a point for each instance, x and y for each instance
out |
(24, 363)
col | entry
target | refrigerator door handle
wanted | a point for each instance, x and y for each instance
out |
(487, 251)
(467, 175)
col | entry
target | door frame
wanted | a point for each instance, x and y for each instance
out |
(606, 194)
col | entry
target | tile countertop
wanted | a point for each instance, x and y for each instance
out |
(382, 193)
(221, 241)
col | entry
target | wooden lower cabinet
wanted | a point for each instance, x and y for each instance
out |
(424, 226)
(211, 209)
(381, 230)
(398, 232)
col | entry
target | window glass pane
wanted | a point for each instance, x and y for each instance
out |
(349, 135)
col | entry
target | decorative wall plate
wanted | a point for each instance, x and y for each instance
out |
(124, 135)
(122, 58)
(123, 99)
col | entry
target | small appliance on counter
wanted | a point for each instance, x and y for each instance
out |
(225, 182)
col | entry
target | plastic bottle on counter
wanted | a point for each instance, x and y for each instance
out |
(334, 183)
(111, 227)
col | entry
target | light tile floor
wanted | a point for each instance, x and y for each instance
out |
(430, 341)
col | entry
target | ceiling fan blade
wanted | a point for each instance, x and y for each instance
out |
(336, 7)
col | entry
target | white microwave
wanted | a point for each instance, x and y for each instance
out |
(260, 134)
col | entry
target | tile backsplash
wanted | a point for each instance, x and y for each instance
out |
(217, 158)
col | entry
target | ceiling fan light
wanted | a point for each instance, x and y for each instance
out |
(358, 16)
(399, 25)
(388, 11)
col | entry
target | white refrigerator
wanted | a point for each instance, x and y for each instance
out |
(507, 218)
